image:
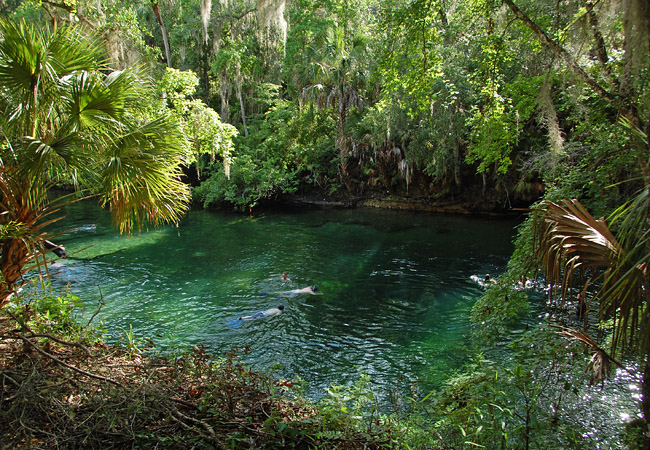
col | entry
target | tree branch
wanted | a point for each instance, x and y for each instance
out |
(64, 364)
(585, 339)
(61, 5)
(601, 50)
(25, 327)
(561, 52)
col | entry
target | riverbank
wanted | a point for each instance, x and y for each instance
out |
(462, 204)
(416, 204)
(62, 387)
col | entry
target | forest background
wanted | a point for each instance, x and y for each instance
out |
(487, 104)
(483, 105)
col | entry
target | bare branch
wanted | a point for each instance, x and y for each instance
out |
(64, 364)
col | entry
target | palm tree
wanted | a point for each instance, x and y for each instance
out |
(337, 83)
(67, 117)
(571, 240)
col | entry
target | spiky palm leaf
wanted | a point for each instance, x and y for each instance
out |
(66, 114)
(25, 213)
(33, 61)
(625, 294)
(88, 129)
(138, 183)
(571, 239)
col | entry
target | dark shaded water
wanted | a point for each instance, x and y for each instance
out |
(396, 288)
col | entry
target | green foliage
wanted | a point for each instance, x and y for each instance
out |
(498, 309)
(309, 135)
(494, 406)
(120, 21)
(49, 313)
(267, 163)
(28, 10)
(494, 121)
(411, 63)
(250, 182)
(457, 88)
(13, 230)
(350, 406)
(208, 134)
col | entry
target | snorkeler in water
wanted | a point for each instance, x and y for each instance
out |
(271, 312)
(309, 290)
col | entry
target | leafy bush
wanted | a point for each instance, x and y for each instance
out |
(279, 153)
(251, 181)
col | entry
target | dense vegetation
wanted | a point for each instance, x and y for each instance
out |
(492, 104)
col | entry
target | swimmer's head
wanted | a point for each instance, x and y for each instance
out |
(314, 288)
(280, 307)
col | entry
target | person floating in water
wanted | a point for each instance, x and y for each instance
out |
(271, 312)
(310, 290)
(91, 227)
(487, 280)
(285, 278)
(483, 282)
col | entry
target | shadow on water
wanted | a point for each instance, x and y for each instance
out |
(395, 287)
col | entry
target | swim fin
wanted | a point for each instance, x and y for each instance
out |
(235, 323)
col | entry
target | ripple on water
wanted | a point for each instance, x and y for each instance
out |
(395, 285)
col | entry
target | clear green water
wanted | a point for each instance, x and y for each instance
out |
(396, 295)
(396, 288)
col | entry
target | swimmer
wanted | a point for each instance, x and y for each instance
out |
(271, 312)
(483, 282)
(488, 279)
(311, 290)
(285, 278)
(91, 227)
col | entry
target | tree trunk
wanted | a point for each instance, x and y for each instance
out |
(15, 256)
(238, 83)
(225, 90)
(156, 11)
(205, 72)
(599, 45)
(645, 400)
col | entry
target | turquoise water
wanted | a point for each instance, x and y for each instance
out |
(395, 287)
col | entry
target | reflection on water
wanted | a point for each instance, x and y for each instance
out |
(396, 288)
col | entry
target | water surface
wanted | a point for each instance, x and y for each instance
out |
(396, 288)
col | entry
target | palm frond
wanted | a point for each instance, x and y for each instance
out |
(24, 206)
(46, 159)
(571, 239)
(142, 176)
(64, 114)
(625, 291)
(73, 50)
